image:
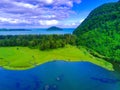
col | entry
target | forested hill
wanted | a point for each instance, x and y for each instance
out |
(100, 31)
(103, 17)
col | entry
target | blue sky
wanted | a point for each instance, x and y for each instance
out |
(45, 13)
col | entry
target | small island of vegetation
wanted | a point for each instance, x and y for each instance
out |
(4, 29)
(54, 28)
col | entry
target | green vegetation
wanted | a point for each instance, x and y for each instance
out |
(101, 31)
(54, 28)
(42, 42)
(20, 58)
(99, 34)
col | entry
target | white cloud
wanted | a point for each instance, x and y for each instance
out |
(70, 3)
(36, 12)
(48, 22)
(2, 19)
(49, 1)
(13, 21)
(26, 5)
(48, 16)
(82, 20)
(73, 23)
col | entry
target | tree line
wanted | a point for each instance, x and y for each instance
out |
(43, 42)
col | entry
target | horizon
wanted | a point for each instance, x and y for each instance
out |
(35, 27)
(46, 13)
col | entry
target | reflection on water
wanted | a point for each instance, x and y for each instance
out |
(60, 75)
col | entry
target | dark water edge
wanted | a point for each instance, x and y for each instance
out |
(60, 75)
(116, 64)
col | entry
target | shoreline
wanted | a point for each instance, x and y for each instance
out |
(20, 68)
(115, 64)
(25, 58)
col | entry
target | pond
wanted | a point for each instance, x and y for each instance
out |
(60, 75)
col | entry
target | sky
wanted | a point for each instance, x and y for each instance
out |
(46, 13)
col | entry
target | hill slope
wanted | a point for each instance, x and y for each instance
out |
(53, 28)
(101, 31)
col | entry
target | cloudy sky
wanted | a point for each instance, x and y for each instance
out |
(45, 13)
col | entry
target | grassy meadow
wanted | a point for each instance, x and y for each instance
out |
(21, 58)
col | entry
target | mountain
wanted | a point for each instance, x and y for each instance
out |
(100, 31)
(54, 28)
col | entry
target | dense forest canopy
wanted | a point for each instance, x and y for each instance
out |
(101, 31)
(43, 42)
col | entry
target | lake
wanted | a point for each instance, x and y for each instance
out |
(60, 75)
(37, 31)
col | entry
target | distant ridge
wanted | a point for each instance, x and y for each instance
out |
(54, 28)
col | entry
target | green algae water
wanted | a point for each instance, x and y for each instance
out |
(60, 75)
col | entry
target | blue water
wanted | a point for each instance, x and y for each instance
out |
(60, 75)
(37, 31)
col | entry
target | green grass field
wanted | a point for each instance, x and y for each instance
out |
(21, 58)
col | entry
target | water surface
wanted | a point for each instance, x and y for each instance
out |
(60, 75)
(37, 31)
